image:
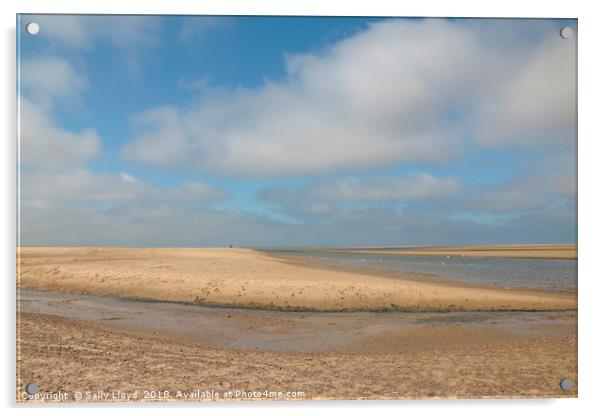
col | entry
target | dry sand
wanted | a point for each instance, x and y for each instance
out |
(530, 251)
(248, 278)
(67, 355)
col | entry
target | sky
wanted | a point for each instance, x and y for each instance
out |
(295, 131)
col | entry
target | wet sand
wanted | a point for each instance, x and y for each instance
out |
(121, 345)
(526, 251)
(232, 328)
(220, 321)
(250, 279)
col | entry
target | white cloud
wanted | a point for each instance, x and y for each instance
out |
(60, 199)
(409, 187)
(46, 78)
(81, 187)
(537, 105)
(325, 197)
(158, 124)
(154, 224)
(43, 144)
(401, 91)
(534, 192)
(127, 178)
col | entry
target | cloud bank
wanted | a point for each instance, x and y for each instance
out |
(402, 91)
(360, 143)
(61, 200)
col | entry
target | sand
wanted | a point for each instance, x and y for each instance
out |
(252, 279)
(530, 251)
(79, 330)
(288, 331)
(69, 356)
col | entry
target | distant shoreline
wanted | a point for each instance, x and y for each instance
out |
(519, 251)
(323, 263)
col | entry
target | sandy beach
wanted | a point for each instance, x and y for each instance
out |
(431, 358)
(239, 324)
(252, 279)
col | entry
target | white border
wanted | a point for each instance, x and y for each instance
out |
(590, 205)
(458, 8)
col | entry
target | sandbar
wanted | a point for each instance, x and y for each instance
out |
(246, 278)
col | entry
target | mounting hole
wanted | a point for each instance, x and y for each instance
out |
(32, 28)
(566, 32)
(32, 388)
(566, 384)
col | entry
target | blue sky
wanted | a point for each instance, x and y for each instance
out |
(296, 131)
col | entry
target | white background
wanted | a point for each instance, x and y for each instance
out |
(590, 114)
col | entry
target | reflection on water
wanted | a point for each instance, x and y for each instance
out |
(532, 273)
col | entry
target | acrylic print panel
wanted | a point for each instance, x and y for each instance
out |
(295, 208)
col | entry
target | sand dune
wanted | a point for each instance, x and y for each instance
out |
(247, 278)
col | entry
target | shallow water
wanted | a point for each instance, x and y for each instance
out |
(530, 273)
(249, 329)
